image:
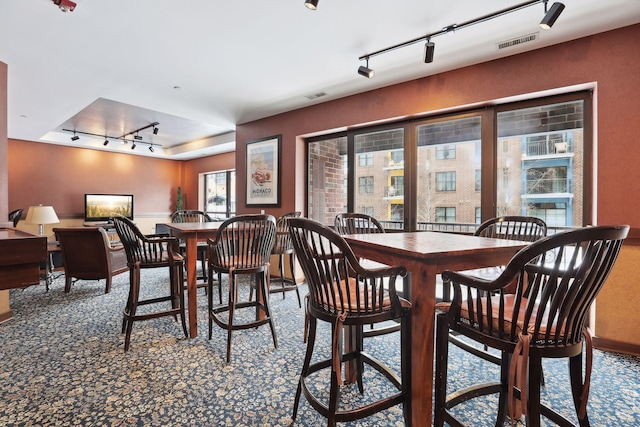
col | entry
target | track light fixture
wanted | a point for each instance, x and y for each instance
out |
(155, 130)
(429, 50)
(547, 22)
(311, 4)
(551, 16)
(366, 71)
(135, 140)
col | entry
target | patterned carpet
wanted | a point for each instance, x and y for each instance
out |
(62, 364)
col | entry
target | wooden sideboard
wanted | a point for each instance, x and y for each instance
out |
(21, 254)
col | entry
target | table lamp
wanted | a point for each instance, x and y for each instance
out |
(41, 215)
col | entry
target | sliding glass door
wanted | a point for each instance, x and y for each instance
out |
(451, 172)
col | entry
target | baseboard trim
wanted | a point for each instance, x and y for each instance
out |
(6, 316)
(610, 345)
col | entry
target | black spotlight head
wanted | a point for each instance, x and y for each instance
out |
(138, 137)
(551, 16)
(366, 72)
(106, 142)
(155, 130)
(311, 4)
(151, 148)
(429, 50)
(75, 138)
(133, 146)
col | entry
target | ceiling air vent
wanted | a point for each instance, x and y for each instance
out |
(316, 95)
(518, 41)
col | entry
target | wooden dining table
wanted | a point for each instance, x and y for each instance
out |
(425, 255)
(192, 233)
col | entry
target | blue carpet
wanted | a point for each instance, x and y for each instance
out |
(62, 364)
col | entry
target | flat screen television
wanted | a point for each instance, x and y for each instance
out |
(103, 207)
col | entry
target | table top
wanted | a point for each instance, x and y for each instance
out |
(194, 227)
(430, 244)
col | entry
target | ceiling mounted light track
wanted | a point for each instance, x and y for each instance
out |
(132, 137)
(549, 19)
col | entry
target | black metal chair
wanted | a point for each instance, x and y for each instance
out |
(150, 251)
(242, 246)
(543, 316)
(283, 248)
(343, 293)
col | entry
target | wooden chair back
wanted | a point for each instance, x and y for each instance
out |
(522, 228)
(357, 223)
(190, 216)
(150, 251)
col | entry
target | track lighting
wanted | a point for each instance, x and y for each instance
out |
(136, 139)
(429, 50)
(366, 71)
(311, 4)
(155, 130)
(551, 16)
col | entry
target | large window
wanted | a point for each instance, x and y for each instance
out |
(220, 194)
(524, 158)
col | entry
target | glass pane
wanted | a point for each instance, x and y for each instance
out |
(540, 160)
(220, 194)
(448, 196)
(327, 179)
(379, 176)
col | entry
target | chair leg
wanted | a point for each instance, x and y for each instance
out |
(311, 339)
(127, 307)
(360, 360)
(533, 392)
(267, 309)
(577, 385)
(232, 307)
(210, 300)
(135, 293)
(503, 397)
(180, 288)
(441, 366)
(281, 269)
(292, 265)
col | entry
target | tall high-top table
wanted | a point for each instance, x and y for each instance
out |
(192, 233)
(425, 255)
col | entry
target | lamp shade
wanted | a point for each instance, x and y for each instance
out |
(41, 215)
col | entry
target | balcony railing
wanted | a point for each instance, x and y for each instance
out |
(394, 191)
(452, 227)
(545, 148)
(548, 186)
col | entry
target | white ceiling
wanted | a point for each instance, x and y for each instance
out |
(200, 67)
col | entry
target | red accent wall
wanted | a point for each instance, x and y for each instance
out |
(608, 62)
(60, 176)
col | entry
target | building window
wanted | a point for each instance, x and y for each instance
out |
(365, 159)
(446, 214)
(367, 210)
(220, 194)
(547, 180)
(478, 180)
(446, 181)
(445, 152)
(365, 185)
(396, 189)
(397, 212)
(478, 215)
(397, 156)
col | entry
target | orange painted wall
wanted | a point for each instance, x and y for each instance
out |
(609, 61)
(60, 176)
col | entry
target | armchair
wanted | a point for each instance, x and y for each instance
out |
(88, 255)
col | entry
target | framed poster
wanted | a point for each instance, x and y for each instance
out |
(263, 171)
